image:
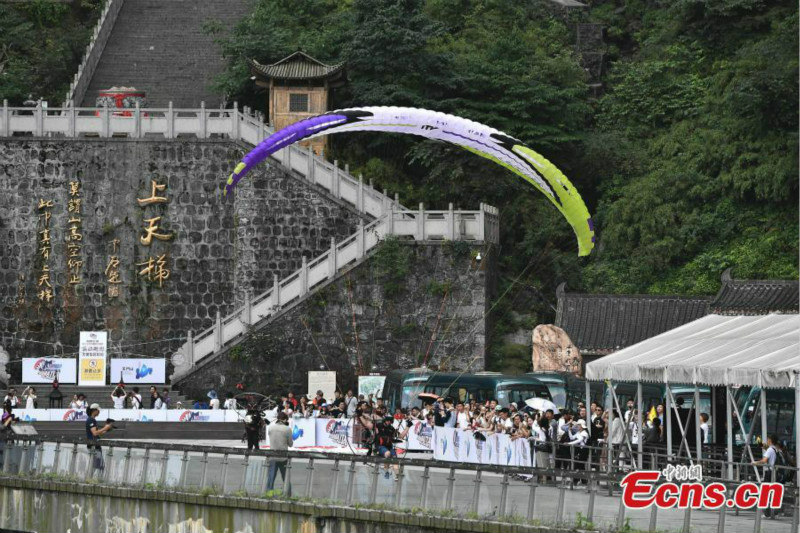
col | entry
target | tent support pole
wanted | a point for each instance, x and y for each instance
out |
(588, 401)
(698, 435)
(763, 414)
(640, 423)
(797, 416)
(668, 420)
(729, 429)
(627, 440)
(748, 435)
(683, 430)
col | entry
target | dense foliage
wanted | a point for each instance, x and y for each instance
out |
(688, 158)
(41, 45)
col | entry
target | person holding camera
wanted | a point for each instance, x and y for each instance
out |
(443, 413)
(253, 422)
(93, 434)
(280, 440)
(386, 435)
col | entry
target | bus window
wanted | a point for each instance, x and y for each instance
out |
(506, 396)
(410, 396)
(559, 395)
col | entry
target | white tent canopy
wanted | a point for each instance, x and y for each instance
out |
(759, 351)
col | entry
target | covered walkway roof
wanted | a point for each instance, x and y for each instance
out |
(712, 350)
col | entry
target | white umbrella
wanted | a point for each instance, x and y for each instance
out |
(541, 404)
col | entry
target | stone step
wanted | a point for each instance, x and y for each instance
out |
(98, 395)
(164, 431)
(161, 47)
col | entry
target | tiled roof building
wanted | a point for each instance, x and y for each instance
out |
(599, 324)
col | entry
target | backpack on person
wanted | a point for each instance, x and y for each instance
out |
(782, 474)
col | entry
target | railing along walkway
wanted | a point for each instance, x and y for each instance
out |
(572, 497)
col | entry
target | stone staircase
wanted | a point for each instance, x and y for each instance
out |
(99, 395)
(160, 47)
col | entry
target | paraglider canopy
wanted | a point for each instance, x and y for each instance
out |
(477, 138)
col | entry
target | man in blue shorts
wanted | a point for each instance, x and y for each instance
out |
(384, 441)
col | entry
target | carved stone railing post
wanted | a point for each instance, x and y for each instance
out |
(218, 332)
(332, 259)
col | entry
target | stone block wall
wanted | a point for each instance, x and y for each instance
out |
(406, 304)
(221, 247)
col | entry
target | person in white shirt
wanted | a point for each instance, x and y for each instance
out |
(705, 433)
(580, 437)
(214, 401)
(136, 399)
(462, 417)
(230, 403)
(11, 398)
(159, 403)
(118, 397)
(81, 404)
(30, 397)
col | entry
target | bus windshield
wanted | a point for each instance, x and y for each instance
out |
(410, 396)
(519, 393)
(559, 394)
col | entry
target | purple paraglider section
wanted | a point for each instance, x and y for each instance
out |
(280, 140)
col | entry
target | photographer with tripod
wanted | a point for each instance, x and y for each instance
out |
(253, 422)
(93, 434)
(385, 438)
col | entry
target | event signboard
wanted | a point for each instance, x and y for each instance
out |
(322, 380)
(46, 369)
(371, 385)
(92, 352)
(304, 432)
(334, 432)
(420, 437)
(138, 370)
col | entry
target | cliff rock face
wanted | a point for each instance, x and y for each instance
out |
(217, 248)
(404, 305)
(554, 351)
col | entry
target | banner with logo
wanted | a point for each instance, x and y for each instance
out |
(33, 415)
(506, 451)
(304, 432)
(45, 370)
(135, 415)
(523, 452)
(334, 432)
(371, 385)
(195, 415)
(471, 447)
(139, 370)
(448, 444)
(420, 437)
(92, 351)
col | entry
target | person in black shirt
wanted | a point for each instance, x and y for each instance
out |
(93, 434)
(253, 422)
(384, 441)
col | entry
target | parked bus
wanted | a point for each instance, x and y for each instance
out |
(402, 387)
(568, 390)
(780, 414)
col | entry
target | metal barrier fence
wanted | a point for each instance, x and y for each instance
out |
(579, 498)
